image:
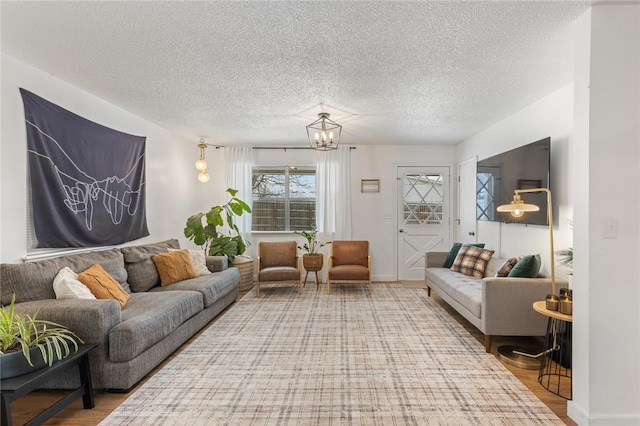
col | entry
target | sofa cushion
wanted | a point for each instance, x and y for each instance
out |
(455, 248)
(66, 285)
(527, 267)
(147, 319)
(143, 274)
(34, 280)
(472, 261)
(174, 266)
(212, 287)
(465, 289)
(102, 285)
(198, 261)
(507, 266)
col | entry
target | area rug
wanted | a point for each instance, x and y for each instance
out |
(392, 358)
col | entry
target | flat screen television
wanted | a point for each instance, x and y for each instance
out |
(520, 168)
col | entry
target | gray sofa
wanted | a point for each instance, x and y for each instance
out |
(497, 306)
(134, 339)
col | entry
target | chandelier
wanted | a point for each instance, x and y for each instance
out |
(324, 134)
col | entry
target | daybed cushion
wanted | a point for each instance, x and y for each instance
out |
(465, 289)
(212, 286)
(143, 274)
(34, 280)
(148, 318)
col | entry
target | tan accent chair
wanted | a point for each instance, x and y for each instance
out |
(349, 263)
(278, 263)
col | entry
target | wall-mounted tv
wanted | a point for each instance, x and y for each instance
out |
(520, 168)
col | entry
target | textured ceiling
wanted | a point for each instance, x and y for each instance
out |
(258, 72)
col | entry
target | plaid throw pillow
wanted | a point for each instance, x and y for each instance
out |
(472, 261)
(507, 266)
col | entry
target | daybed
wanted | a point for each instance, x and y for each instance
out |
(132, 340)
(497, 306)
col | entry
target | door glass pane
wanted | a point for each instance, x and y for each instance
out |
(423, 199)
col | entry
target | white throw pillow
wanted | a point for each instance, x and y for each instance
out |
(67, 286)
(198, 261)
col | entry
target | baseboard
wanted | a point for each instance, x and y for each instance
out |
(383, 278)
(579, 416)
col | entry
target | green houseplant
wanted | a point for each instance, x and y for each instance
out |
(34, 338)
(203, 228)
(312, 260)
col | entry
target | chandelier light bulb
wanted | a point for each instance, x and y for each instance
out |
(517, 213)
(203, 176)
(201, 164)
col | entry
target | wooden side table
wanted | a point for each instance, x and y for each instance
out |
(555, 368)
(16, 387)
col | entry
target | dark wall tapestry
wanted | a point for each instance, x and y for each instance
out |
(87, 180)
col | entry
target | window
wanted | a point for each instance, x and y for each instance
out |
(284, 199)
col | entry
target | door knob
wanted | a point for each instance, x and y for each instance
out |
(472, 233)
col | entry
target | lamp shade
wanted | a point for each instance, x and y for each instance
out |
(517, 207)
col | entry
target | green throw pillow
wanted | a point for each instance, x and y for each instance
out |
(527, 267)
(455, 248)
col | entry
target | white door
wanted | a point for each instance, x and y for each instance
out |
(467, 224)
(423, 217)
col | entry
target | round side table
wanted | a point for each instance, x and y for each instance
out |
(555, 367)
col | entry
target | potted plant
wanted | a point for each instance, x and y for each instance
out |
(28, 343)
(208, 235)
(312, 260)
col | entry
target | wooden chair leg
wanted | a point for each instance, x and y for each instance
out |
(258, 288)
(428, 291)
(328, 286)
(487, 343)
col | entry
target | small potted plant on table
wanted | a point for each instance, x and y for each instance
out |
(312, 260)
(28, 343)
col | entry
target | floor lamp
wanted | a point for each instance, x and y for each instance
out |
(518, 208)
(512, 354)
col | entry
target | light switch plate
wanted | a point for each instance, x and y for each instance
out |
(610, 227)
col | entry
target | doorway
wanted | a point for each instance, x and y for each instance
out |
(424, 216)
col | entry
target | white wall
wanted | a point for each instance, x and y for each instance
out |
(169, 185)
(373, 214)
(550, 116)
(607, 270)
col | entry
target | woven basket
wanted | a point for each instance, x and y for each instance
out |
(312, 262)
(245, 265)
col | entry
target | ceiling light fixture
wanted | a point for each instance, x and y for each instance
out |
(324, 134)
(201, 163)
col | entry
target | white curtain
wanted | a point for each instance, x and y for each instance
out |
(239, 161)
(333, 194)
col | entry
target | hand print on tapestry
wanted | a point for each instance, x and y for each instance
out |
(87, 180)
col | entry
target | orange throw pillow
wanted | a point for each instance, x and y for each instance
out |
(102, 285)
(174, 266)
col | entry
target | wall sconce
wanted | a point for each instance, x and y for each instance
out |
(201, 163)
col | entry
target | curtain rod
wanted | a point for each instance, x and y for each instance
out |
(270, 147)
(288, 147)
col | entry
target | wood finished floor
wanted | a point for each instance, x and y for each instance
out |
(31, 405)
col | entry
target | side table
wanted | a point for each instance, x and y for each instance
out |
(16, 387)
(555, 368)
(313, 263)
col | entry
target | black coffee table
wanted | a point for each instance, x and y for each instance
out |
(19, 386)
